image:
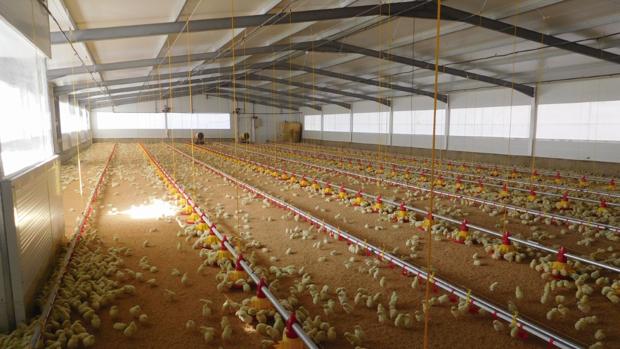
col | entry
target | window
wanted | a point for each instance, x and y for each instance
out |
(312, 122)
(337, 122)
(26, 131)
(588, 121)
(378, 122)
(503, 121)
(73, 119)
(418, 122)
(199, 121)
(129, 121)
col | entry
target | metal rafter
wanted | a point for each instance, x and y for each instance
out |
(183, 93)
(281, 66)
(384, 101)
(319, 45)
(387, 85)
(417, 9)
(197, 89)
(347, 48)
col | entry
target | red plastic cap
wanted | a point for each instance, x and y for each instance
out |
(612, 182)
(259, 289)
(402, 207)
(561, 255)
(238, 266)
(532, 192)
(557, 174)
(565, 196)
(464, 226)
(506, 238)
(342, 188)
(379, 199)
(290, 332)
(603, 203)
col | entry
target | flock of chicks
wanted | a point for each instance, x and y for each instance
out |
(560, 276)
(97, 277)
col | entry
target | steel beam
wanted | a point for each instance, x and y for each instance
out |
(341, 47)
(417, 9)
(452, 14)
(254, 77)
(185, 91)
(384, 101)
(131, 31)
(244, 95)
(201, 81)
(287, 93)
(60, 90)
(147, 98)
(319, 45)
(149, 62)
(284, 66)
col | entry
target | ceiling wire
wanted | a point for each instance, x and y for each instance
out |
(98, 83)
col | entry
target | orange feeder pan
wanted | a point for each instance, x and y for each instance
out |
(463, 233)
(211, 239)
(238, 273)
(193, 218)
(560, 268)
(402, 213)
(223, 253)
(506, 245)
(260, 301)
(290, 340)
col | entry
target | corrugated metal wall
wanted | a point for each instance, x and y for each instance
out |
(33, 229)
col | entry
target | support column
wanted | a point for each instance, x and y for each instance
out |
(351, 125)
(391, 124)
(533, 123)
(446, 126)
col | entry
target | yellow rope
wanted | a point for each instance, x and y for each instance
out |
(234, 104)
(512, 82)
(432, 192)
(190, 102)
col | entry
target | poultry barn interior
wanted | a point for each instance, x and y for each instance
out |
(310, 174)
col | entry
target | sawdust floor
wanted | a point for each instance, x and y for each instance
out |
(453, 261)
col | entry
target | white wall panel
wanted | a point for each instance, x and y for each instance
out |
(416, 103)
(586, 90)
(371, 138)
(337, 136)
(578, 150)
(579, 91)
(490, 145)
(311, 134)
(417, 141)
